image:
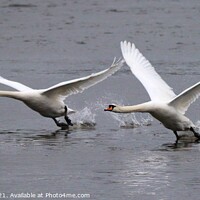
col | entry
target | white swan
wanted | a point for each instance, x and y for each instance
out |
(165, 106)
(50, 102)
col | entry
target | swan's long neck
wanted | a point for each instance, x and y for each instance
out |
(12, 94)
(144, 107)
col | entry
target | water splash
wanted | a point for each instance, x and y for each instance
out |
(132, 120)
(126, 120)
(84, 118)
(197, 126)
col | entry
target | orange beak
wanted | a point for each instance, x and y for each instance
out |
(108, 109)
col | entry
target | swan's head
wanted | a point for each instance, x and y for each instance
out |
(111, 107)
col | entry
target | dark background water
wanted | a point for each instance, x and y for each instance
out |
(46, 42)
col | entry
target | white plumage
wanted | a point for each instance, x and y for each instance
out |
(50, 102)
(156, 87)
(165, 105)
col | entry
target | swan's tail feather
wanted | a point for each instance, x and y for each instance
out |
(182, 101)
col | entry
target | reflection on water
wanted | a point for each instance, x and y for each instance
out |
(181, 145)
(113, 161)
(145, 173)
(42, 137)
(32, 137)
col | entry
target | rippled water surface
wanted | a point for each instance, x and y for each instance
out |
(108, 156)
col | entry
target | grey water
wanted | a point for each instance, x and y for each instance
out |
(105, 155)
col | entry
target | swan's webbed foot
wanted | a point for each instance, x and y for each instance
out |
(177, 136)
(68, 120)
(197, 135)
(61, 124)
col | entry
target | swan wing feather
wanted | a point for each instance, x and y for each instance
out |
(182, 101)
(14, 84)
(67, 88)
(156, 87)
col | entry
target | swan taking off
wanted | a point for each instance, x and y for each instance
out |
(165, 105)
(50, 102)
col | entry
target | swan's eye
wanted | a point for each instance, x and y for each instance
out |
(112, 106)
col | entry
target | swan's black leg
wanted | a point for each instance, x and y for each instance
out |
(62, 125)
(177, 137)
(197, 135)
(68, 120)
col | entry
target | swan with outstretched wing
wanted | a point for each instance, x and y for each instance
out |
(165, 105)
(50, 102)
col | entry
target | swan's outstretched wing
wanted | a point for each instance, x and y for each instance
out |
(67, 88)
(157, 89)
(182, 101)
(15, 85)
